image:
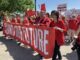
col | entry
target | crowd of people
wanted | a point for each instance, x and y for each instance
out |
(62, 25)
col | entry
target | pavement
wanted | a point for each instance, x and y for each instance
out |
(9, 50)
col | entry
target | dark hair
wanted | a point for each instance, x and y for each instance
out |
(56, 13)
(73, 16)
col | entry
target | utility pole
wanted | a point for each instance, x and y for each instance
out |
(35, 5)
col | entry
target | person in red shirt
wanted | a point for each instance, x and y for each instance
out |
(32, 19)
(47, 20)
(18, 18)
(8, 19)
(13, 20)
(44, 19)
(59, 27)
(26, 21)
(4, 18)
(72, 25)
(62, 18)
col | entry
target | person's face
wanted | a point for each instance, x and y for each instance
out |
(54, 17)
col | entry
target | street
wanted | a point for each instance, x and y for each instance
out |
(9, 50)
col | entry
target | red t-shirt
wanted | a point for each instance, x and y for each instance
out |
(13, 20)
(18, 19)
(72, 24)
(45, 21)
(59, 36)
(26, 21)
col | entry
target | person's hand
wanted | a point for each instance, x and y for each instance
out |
(57, 28)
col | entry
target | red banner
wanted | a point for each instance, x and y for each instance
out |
(43, 7)
(40, 38)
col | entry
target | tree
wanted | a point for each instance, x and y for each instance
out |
(14, 5)
(24, 4)
(3, 5)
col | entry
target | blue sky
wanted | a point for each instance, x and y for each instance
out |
(52, 4)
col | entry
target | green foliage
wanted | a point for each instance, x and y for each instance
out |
(16, 5)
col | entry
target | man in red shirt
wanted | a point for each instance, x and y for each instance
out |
(44, 20)
(59, 33)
